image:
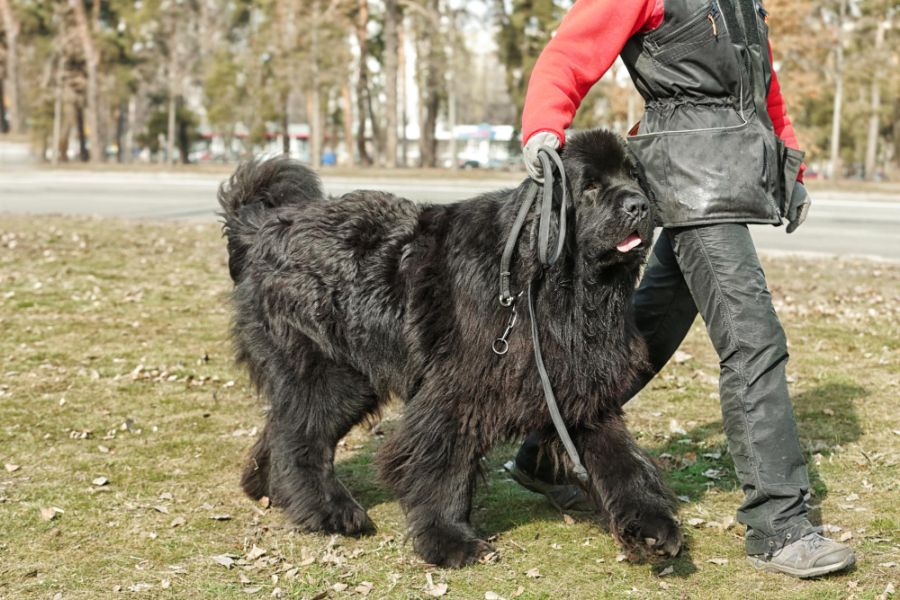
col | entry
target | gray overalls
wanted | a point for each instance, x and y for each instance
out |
(714, 165)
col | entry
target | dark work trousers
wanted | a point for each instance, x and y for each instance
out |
(714, 270)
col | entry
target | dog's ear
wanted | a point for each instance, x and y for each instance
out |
(592, 157)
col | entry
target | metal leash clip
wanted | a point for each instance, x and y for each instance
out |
(501, 344)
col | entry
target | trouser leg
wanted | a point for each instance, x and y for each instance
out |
(722, 271)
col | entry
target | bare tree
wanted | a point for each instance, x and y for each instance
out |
(391, 42)
(92, 62)
(875, 101)
(835, 166)
(362, 82)
(11, 29)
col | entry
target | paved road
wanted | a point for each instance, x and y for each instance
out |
(840, 223)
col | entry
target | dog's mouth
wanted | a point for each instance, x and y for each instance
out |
(630, 243)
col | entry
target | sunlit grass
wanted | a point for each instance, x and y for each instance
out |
(116, 364)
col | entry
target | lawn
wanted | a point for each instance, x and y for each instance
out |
(124, 423)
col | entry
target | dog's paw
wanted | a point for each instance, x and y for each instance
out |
(351, 520)
(654, 538)
(444, 547)
(344, 518)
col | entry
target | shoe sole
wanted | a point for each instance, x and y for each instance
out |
(770, 567)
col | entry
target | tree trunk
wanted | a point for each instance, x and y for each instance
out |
(83, 154)
(285, 127)
(431, 100)
(835, 167)
(4, 126)
(874, 125)
(11, 29)
(57, 111)
(173, 94)
(347, 108)
(391, 16)
(92, 62)
(401, 59)
(170, 129)
(315, 112)
(451, 100)
(362, 84)
(129, 131)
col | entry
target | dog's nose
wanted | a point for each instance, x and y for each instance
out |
(637, 207)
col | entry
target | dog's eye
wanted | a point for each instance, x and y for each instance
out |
(592, 187)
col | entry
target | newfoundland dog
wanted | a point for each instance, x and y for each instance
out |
(340, 303)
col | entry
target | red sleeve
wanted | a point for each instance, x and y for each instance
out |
(778, 114)
(589, 39)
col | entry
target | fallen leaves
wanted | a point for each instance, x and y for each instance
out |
(11, 468)
(433, 589)
(100, 481)
(718, 561)
(226, 560)
(50, 513)
(533, 573)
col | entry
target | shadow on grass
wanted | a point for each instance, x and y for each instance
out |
(825, 414)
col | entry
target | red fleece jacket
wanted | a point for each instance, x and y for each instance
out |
(586, 44)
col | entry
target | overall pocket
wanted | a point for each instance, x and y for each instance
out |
(711, 175)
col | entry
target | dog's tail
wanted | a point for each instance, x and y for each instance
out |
(257, 187)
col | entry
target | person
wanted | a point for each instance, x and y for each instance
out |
(719, 152)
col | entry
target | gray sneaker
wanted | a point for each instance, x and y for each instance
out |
(810, 556)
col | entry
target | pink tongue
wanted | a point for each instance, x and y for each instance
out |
(629, 243)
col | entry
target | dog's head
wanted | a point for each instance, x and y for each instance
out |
(613, 213)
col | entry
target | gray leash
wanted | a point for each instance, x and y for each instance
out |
(549, 159)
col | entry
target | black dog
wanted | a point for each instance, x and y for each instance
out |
(341, 302)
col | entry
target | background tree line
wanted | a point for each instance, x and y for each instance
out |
(116, 76)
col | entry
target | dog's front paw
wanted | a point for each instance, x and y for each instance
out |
(445, 547)
(653, 538)
(344, 516)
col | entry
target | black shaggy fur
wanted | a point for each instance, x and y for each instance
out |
(340, 302)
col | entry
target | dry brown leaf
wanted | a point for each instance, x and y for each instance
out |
(533, 573)
(161, 509)
(49, 513)
(100, 481)
(519, 591)
(242, 577)
(718, 561)
(620, 557)
(224, 560)
(434, 590)
(847, 535)
(696, 521)
(364, 588)
(667, 571)
(492, 596)
(255, 553)
(12, 468)
(177, 522)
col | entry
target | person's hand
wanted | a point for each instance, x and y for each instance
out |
(798, 208)
(530, 153)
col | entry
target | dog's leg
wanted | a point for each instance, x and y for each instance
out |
(311, 411)
(431, 463)
(255, 478)
(628, 484)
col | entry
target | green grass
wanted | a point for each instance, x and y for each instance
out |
(84, 303)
